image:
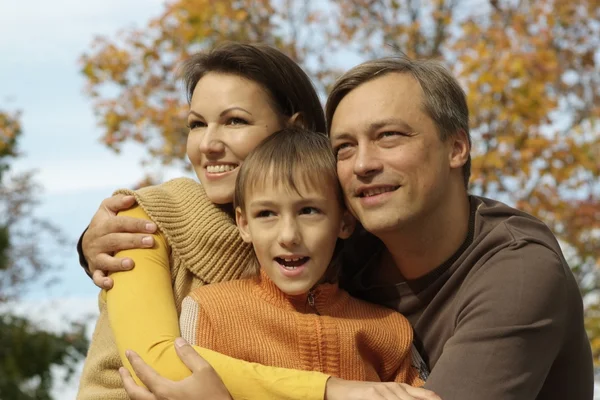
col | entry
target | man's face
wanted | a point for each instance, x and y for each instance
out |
(392, 165)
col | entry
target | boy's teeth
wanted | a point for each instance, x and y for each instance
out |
(291, 262)
(212, 169)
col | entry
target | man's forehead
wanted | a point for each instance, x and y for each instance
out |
(387, 97)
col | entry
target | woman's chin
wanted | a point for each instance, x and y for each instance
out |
(218, 195)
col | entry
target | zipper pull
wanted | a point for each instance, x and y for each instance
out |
(311, 299)
(311, 302)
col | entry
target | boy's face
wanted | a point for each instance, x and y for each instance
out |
(294, 234)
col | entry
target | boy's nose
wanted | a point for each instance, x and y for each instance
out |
(289, 234)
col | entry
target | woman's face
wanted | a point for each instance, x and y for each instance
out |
(229, 116)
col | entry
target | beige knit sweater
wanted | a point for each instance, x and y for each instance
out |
(205, 247)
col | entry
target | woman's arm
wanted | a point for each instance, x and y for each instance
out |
(143, 317)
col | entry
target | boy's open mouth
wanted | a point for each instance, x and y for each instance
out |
(291, 262)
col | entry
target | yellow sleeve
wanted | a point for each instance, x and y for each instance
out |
(143, 317)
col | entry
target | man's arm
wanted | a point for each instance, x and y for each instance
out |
(109, 233)
(512, 324)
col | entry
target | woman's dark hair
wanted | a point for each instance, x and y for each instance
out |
(289, 86)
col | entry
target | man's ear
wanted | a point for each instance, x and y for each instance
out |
(297, 120)
(460, 149)
(242, 224)
(348, 225)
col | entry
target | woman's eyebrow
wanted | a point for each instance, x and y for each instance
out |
(234, 108)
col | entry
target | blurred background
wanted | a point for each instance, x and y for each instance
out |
(89, 102)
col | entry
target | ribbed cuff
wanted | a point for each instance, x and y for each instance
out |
(82, 261)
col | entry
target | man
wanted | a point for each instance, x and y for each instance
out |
(496, 311)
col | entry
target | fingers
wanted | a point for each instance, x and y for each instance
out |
(101, 280)
(147, 375)
(129, 224)
(190, 357)
(114, 242)
(118, 202)
(108, 263)
(421, 393)
(134, 391)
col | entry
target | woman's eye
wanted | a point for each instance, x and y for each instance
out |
(310, 210)
(237, 121)
(196, 124)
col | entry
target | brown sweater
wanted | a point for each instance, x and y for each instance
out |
(205, 247)
(333, 333)
(502, 319)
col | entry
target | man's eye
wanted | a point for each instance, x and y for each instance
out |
(341, 147)
(343, 150)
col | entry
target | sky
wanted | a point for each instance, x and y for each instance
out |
(40, 44)
(39, 75)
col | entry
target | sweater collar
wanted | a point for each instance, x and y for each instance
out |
(201, 234)
(321, 299)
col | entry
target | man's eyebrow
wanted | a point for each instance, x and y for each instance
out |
(341, 136)
(388, 121)
(374, 126)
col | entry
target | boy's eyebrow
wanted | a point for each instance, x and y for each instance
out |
(261, 203)
(302, 201)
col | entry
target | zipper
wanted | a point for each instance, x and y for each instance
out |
(311, 301)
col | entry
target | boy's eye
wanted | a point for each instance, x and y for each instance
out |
(196, 124)
(309, 211)
(264, 214)
(237, 121)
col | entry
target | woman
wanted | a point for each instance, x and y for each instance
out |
(238, 95)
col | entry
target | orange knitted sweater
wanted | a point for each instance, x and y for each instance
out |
(327, 330)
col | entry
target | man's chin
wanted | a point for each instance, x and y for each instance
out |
(378, 224)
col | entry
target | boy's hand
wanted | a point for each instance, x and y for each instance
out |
(203, 384)
(339, 389)
(109, 233)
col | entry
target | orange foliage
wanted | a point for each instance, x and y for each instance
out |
(530, 70)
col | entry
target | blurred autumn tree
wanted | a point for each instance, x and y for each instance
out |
(530, 69)
(27, 351)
